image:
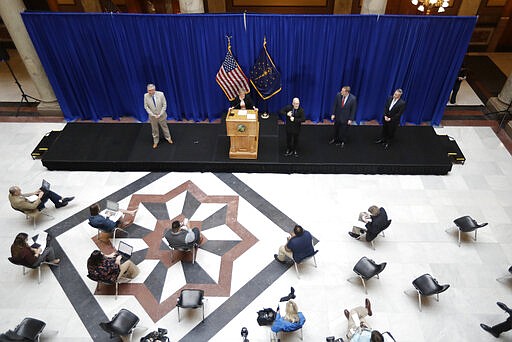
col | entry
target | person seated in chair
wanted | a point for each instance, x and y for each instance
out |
(298, 247)
(98, 221)
(358, 329)
(23, 254)
(180, 236)
(376, 220)
(108, 268)
(25, 204)
(292, 319)
(499, 328)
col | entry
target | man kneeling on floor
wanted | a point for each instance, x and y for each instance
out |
(180, 236)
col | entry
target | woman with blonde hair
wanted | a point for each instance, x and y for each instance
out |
(292, 319)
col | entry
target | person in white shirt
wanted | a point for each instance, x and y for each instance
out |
(393, 110)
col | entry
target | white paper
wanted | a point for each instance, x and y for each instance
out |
(242, 112)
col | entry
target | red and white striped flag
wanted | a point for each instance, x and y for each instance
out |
(231, 78)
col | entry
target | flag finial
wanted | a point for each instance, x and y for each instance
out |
(229, 41)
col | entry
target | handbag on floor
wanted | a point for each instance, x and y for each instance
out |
(266, 316)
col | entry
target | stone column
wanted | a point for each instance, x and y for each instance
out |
(374, 7)
(191, 6)
(10, 13)
(504, 98)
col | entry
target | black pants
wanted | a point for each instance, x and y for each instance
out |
(340, 131)
(292, 141)
(388, 131)
(48, 195)
(455, 90)
(503, 326)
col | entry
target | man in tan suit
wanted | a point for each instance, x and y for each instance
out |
(155, 105)
(28, 205)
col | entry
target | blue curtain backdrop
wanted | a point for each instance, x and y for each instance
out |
(99, 64)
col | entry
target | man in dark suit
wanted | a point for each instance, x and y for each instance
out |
(460, 77)
(294, 117)
(343, 113)
(242, 101)
(393, 110)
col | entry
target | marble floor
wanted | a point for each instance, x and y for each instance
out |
(245, 218)
(251, 213)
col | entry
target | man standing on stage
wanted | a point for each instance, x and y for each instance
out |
(343, 112)
(393, 110)
(294, 117)
(156, 105)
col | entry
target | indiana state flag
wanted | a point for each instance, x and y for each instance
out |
(264, 76)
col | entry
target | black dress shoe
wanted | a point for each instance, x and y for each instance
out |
(61, 204)
(295, 154)
(379, 141)
(277, 259)
(386, 146)
(288, 153)
(68, 199)
(504, 307)
(354, 235)
(332, 141)
(489, 330)
(342, 144)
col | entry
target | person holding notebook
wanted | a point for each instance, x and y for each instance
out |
(24, 254)
(30, 203)
(104, 223)
(108, 268)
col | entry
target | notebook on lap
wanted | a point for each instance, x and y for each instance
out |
(124, 250)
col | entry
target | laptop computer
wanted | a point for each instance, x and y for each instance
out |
(112, 211)
(45, 185)
(124, 250)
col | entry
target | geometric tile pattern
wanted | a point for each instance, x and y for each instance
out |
(205, 212)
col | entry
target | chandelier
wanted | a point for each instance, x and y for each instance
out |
(427, 5)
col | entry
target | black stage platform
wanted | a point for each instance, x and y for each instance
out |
(204, 147)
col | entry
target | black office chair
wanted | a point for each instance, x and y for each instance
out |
(34, 215)
(508, 276)
(466, 224)
(426, 285)
(297, 262)
(185, 250)
(190, 299)
(27, 331)
(38, 268)
(107, 232)
(386, 226)
(366, 269)
(122, 324)
(119, 280)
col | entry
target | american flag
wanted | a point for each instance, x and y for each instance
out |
(231, 78)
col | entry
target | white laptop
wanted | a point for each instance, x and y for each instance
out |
(124, 250)
(112, 211)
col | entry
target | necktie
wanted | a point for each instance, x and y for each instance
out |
(343, 101)
(154, 102)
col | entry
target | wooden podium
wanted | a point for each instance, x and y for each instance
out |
(243, 129)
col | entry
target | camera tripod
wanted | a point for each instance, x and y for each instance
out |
(24, 96)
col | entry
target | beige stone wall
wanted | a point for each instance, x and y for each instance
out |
(343, 6)
(469, 7)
